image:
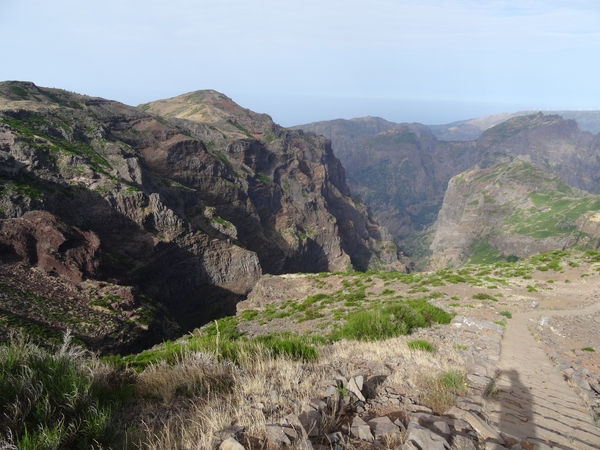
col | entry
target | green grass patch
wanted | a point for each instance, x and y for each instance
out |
(484, 296)
(588, 349)
(421, 344)
(506, 314)
(54, 400)
(390, 319)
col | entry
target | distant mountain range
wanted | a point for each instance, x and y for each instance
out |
(402, 171)
(468, 130)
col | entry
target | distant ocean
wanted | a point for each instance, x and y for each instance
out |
(289, 109)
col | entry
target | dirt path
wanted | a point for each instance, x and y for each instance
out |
(533, 402)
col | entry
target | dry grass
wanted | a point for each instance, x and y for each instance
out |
(261, 389)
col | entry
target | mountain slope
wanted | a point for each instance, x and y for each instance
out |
(402, 173)
(180, 214)
(297, 174)
(511, 208)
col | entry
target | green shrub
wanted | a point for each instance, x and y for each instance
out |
(453, 381)
(484, 296)
(431, 313)
(506, 314)
(376, 324)
(421, 344)
(588, 349)
(54, 400)
(300, 347)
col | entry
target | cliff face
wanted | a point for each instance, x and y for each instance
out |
(296, 185)
(187, 213)
(402, 172)
(511, 208)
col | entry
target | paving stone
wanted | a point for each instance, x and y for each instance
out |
(441, 428)
(478, 381)
(486, 432)
(468, 405)
(463, 443)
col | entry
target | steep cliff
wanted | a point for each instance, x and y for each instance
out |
(181, 214)
(296, 184)
(510, 209)
(402, 173)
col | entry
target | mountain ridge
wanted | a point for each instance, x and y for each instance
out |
(189, 214)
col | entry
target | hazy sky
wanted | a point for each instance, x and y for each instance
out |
(430, 61)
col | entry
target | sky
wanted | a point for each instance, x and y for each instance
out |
(428, 61)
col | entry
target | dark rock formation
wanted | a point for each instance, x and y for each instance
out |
(188, 212)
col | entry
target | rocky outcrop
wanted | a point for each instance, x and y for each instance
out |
(359, 407)
(191, 212)
(39, 239)
(508, 209)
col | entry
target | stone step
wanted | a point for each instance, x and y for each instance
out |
(533, 401)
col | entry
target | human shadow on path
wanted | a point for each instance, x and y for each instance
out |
(515, 407)
(517, 413)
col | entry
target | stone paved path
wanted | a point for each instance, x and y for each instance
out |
(534, 403)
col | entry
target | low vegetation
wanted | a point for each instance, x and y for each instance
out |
(439, 392)
(57, 399)
(223, 373)
(421, 344)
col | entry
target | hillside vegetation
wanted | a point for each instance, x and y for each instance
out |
(403, 172)
(246, 372)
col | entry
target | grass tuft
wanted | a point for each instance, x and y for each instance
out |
(421, 344)
(439, 392)
(56, 399)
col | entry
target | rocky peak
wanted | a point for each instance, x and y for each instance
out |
(215, 109)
